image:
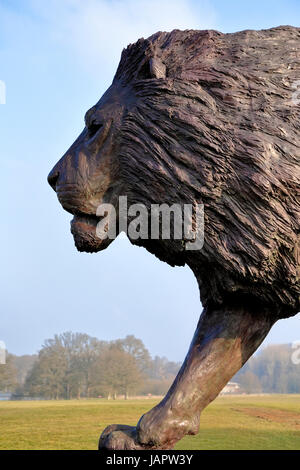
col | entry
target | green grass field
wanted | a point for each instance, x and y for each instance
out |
(231, 422)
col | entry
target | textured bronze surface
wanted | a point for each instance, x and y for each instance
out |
(201, 116)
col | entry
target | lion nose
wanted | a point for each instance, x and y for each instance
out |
(52, 178)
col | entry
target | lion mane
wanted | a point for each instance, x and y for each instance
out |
(215, 120)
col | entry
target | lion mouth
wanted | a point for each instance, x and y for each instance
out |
(83, 229)
(85, 221)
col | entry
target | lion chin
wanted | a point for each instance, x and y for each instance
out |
(83, 229)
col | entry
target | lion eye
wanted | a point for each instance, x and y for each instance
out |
(93, 128)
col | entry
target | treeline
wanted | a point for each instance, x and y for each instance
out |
(272, 370)
(76, 365)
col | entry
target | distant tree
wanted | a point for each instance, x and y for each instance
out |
(47, 377)
(24, 364)
(156, 386)
(63, 366)
(163, 369)
(84, 350)
(250, 382)
(136, 348)
(274, 369)
(8, 375)
(293, 384)
(116, 372)
(272, 366)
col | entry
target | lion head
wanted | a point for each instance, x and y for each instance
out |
(207, 117)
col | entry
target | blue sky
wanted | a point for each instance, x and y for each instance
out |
(57, 58)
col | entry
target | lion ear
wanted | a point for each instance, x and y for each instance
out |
(157, 68)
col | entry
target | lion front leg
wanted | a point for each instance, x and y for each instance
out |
(224, 340)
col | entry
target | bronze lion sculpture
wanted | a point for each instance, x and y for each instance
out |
(201, 116)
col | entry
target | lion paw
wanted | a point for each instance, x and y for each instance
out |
(122, 437)
(119, 437)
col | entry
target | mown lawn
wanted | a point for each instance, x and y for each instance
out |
(232, 422)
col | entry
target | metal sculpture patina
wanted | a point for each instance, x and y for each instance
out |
(209, 118)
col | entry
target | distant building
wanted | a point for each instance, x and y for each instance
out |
(231, 387)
